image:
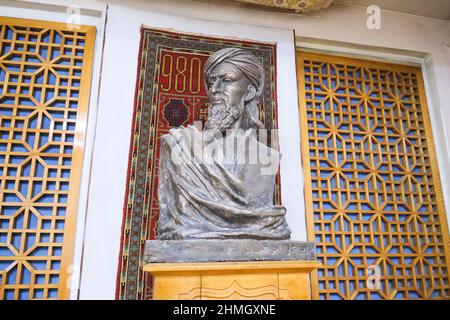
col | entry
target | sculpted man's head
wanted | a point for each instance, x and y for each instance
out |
(234, 81)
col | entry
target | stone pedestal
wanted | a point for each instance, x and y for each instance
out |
(220, 269)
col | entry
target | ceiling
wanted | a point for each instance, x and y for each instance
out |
(439, 9)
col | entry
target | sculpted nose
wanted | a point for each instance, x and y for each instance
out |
(214, 87)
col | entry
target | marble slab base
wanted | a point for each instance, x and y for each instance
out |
(227, 250)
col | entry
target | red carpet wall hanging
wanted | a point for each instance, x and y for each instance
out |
(170, 92)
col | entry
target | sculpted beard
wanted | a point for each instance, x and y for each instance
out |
(222, 116)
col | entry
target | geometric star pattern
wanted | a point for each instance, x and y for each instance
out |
(42, 102)
(374, 202)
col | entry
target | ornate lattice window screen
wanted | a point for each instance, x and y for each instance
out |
(45, 73)
(374, 202)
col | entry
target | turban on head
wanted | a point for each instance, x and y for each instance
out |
(250, 67)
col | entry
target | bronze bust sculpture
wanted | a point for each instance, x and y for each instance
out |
(210, 192)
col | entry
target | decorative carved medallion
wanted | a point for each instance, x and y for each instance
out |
(175, 112)
(236, 291)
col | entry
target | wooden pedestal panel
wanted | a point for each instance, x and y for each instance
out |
(259, 280)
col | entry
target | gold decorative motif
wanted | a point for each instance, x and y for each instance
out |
(193, 294)
(299, 6)
(45, 73)
(237, 291)
(374, 202)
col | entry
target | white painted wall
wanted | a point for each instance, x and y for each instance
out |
(110, 151)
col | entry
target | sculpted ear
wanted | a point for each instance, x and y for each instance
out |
(251, 93)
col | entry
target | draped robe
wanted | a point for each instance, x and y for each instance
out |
(217, 197)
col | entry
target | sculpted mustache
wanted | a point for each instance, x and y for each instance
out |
(218, 99)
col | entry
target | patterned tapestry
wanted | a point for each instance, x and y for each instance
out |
(170, 92)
